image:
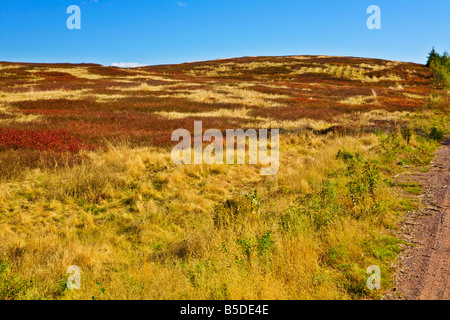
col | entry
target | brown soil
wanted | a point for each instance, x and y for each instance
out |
(423, 270)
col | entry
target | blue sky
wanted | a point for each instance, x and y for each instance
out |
(165, 31)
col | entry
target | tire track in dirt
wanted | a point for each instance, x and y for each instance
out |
(423, 270)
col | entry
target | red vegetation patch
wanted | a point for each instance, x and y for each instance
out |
(56, 76)
(43, 140)
(132, 115)
(111, 71)
(401, 104)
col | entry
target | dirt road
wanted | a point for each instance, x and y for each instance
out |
(423, 270)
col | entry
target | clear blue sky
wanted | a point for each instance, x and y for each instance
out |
(166, 31)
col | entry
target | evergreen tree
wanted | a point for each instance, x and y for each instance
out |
(440, 66)
(432, 56)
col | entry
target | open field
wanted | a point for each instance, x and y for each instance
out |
(86, 177)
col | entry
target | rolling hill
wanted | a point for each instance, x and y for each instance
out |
(86, 177)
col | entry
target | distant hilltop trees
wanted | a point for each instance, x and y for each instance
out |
(440, 64)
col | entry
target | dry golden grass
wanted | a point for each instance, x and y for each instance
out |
(138, 212)
(413, 96)
(79, 72)
(17, 116)
(231, 94)
(359, 100)
(9, 66)
(241, 113)
(33, 95)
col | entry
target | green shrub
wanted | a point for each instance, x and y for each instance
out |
(226, 213)
(291, 221)
(237, 210)
(265, 244)
(246, 246)
(317, 209)
(407, 134)
(436, 134)
(12, 287)
(261, 247)
(440, 65)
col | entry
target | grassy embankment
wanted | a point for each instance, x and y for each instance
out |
(140, 227)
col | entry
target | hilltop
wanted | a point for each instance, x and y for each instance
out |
(146, 104)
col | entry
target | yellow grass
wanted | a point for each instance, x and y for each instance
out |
(230, 94)
(78, 72)
(17, 116)
(241, 113)
(126, 250)
(32, 95)
(359, 100)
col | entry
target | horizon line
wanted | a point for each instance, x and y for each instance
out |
(207, 60)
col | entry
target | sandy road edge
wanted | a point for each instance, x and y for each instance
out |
(423, 268)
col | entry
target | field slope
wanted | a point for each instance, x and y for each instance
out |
(86, 177)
